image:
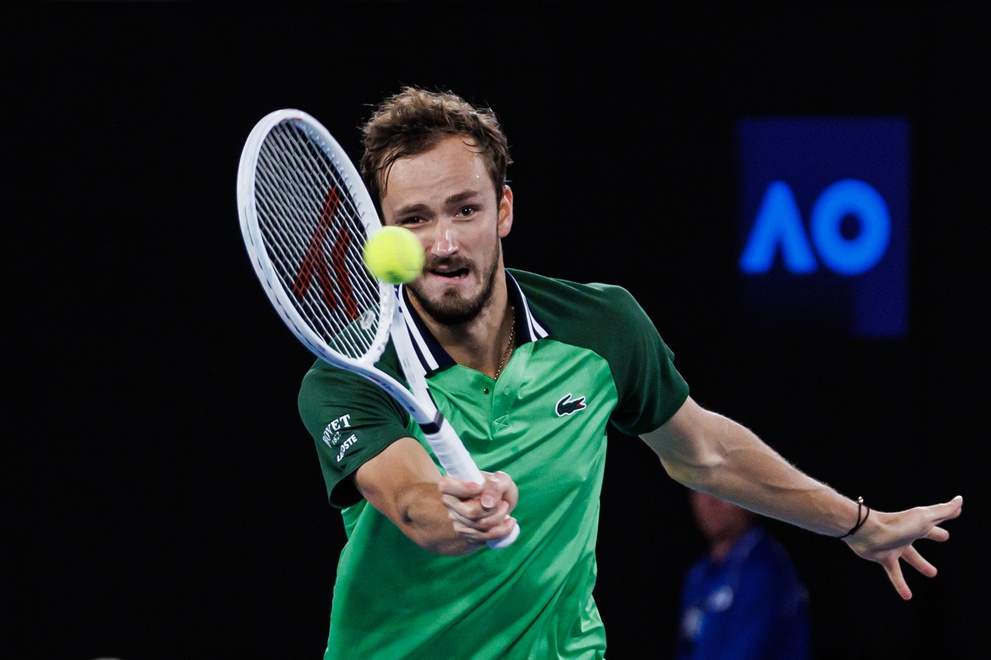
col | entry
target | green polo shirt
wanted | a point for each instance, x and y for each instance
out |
(587, 357)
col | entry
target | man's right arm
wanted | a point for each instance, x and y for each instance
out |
(440, 514)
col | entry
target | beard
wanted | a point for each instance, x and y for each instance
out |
(451, 308)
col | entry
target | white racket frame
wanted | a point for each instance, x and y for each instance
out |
(441, 436)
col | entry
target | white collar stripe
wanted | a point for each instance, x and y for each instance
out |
(422, 350)
(534, 330)
(432, 356)
(423, 353)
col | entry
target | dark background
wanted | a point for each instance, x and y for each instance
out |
(162, 497)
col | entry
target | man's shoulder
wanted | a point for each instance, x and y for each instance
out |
(561, 298)
(323, 376)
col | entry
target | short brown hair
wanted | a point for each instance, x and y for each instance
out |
(415, 120)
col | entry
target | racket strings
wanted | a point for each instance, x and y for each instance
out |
(313, 233)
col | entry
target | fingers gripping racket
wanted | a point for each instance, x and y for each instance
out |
(305, 216)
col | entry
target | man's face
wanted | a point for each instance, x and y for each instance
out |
(446, 198)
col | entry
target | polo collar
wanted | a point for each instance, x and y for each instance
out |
(432, 355)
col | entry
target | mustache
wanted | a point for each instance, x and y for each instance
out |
(448, 263)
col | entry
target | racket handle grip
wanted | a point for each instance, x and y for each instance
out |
(458, 463)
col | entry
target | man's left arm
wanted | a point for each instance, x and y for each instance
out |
(712, 453)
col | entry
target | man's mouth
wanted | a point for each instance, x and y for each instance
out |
(449, 271)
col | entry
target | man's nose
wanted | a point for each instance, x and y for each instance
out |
(445, 242)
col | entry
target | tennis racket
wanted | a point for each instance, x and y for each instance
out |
(305, 216)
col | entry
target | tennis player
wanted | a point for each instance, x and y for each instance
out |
(531, 371)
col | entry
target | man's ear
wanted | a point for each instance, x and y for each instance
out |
(505, 211)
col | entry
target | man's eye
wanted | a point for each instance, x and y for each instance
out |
(466, 211)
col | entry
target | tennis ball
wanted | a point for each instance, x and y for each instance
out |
(394, 254)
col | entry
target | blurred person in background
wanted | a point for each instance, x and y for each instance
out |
(743, 598)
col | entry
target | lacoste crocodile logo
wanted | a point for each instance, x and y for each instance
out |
(567, 405)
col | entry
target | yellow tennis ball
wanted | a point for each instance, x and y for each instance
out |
(394, 254)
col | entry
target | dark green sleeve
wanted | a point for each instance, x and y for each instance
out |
(351, 421)
(650, 388)
(608, 320)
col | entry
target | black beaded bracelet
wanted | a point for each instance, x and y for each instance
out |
(860, 521)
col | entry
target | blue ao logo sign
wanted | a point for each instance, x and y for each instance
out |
(824, 223)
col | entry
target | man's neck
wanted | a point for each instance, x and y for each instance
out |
(481, 343)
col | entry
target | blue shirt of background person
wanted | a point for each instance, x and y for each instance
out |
(744, 598)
